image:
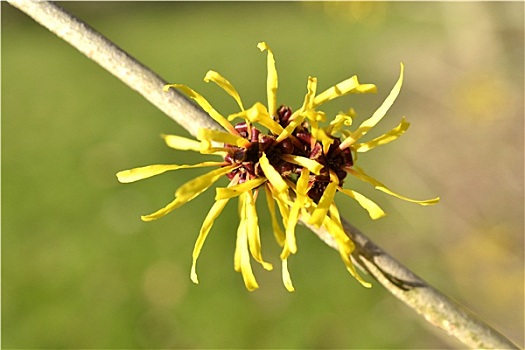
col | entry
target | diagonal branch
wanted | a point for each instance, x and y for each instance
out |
(434, 306)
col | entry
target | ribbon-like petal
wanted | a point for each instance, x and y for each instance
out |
(325, 139)
(237, 190)
(272, 175)
(325, 202)
(301, 192)
(277, 230)
(271, 81)
(360, 174)
(309, 98)
(372, 208)
(312, 165)
(340, 120)
(135, 174)
(379, 113)
(225, 85)
(345, 245)
(220, 136)
(189, 191)
(242, 254)
(390, 136)
(214, 212)
(287, 280)
(259, 114)
(181, 143)
(205, 105)
(287, 132)
(252, 225)
(350, 85)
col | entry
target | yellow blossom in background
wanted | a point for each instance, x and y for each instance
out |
(297, 162)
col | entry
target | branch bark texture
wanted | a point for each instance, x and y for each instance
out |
(431, 304)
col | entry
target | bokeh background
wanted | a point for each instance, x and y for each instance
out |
(79, 268)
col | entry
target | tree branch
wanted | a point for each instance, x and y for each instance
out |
(434, 306)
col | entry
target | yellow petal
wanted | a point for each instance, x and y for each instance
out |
(205, 105)
(324, 203)
(287, 281)
(259, 114)
(325, 139)
(181, 143)
(314, 118)
(285, 253)
(381, 111)
(214, 212)
(308, 163)
(345, 247)
(252, 226)
(239, 189)
(290, 128)
(220, 136)
(335, 229)
(272, 175)
(372, 208)
(350, 267)
(271, 81)
(189, 191)
(225, 85)
(277, 231)
(344, 244)
(334, 214)
(317, 116)
(359, 173)
(241, 230)
(383, 139)
(207, 147)
(242, 256)
(301, 191)
(340, 121)
(311, 89)
(135, 174)
(365, 89)
(350, 85)
(284, 206)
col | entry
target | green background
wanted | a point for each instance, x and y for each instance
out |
(79, 268)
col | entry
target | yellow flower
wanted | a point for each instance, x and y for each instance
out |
(297, 163)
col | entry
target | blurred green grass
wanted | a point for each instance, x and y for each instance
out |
(79, 268)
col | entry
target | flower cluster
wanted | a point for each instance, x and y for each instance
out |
(299, 164)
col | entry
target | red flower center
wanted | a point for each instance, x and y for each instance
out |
(298, 144)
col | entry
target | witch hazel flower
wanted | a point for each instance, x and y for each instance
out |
(293, 157)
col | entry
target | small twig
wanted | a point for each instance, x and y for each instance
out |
(434, 306)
